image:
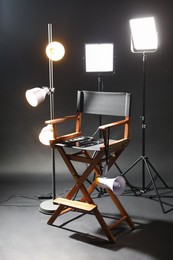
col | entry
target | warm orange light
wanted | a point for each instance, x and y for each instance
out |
(55, 51)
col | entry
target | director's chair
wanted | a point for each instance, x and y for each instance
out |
(99, 155)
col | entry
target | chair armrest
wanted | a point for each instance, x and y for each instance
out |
(60, 120)
(105, 130)
(66, 136)
(121, 122)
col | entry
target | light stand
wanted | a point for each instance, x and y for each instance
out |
(99, 60)
(47, 206)
(55, 51)
(146, 164)
(100, 88)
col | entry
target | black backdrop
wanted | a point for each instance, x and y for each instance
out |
(23, 63)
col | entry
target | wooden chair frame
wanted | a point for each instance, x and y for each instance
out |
(108, 152)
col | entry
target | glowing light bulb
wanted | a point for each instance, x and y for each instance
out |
(46, 135)
(55, 51)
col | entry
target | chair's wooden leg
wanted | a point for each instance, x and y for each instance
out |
(103, 225)
(55, 214)
(121, 208)
(80, 179)
(79, 185)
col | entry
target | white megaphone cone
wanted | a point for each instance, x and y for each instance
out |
(117, 185)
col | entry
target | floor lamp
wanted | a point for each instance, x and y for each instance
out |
(55, 51)
(144, 40)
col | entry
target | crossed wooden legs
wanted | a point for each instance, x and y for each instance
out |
(86, 203)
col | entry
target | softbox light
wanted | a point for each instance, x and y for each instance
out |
(143, 35)
(99, 57)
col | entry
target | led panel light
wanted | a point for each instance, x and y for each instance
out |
(99, 57)
(143, 35)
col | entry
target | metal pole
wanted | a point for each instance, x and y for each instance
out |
(52, 90)
(143, 121)
(100, 88)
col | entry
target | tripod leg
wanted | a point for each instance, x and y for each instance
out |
(153, 182)
(139, 159)
(127, 182)
(157, 174)
(134, 189)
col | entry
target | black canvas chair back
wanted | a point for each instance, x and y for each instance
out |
(104, 103)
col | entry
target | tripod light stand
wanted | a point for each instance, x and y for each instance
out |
(55, 51)
(99, 60)
(144, 40)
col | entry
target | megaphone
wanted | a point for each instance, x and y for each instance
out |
(117, 185)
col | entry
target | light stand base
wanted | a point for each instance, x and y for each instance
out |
(143, 190)
(47, 207)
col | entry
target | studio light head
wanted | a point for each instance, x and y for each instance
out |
(143, 35)
(55, 51)
(46, 135)
(99, 58)
(37, 95)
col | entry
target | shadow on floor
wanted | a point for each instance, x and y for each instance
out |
(153, 239)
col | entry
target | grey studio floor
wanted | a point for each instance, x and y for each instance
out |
(25, 235)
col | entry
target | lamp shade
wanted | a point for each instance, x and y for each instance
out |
(35, 96)
(143, 35)
(46, 135)
(55, 51)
